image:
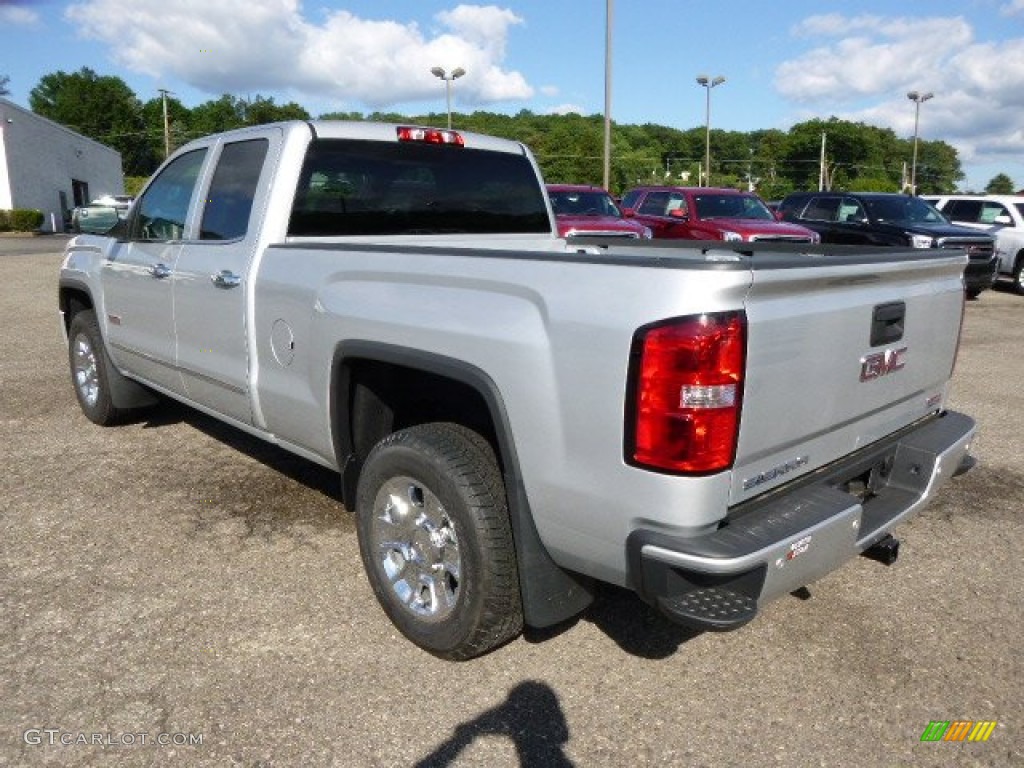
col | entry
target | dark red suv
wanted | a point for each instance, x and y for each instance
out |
(581, 209)
(708, 213)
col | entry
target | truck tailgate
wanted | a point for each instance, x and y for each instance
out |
(841, 354)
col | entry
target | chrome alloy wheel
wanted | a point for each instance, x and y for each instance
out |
(86, 370)
(416, 547)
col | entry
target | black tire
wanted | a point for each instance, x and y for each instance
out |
(436, 541)
(1018, 275)
(87, 358)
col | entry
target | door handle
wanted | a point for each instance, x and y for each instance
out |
(160, 271)
(226, 279)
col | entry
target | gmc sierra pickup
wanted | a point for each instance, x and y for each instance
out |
(516, 416)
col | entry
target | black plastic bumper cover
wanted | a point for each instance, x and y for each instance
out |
(794, 535)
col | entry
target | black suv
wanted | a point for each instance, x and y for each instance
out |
(889, 218)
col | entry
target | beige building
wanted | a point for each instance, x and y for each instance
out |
(48, 167)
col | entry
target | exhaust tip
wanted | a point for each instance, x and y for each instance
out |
(885, 550)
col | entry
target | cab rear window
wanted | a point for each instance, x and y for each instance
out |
(350, 187)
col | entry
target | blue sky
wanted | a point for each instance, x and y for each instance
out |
(783, 61)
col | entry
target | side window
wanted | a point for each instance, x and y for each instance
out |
(963, 210)
(851, 211)
(989, 212)
(822, 209)
(229, 202)
(161, 211)
(629, 201)
(676, 205)
(654, 204)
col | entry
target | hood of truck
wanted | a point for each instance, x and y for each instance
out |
(759, 229)
(841, 355)
(586, 225)
(935, 230)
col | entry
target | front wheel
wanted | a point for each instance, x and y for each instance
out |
(1018, 275)
(436, 541)
(87, 359)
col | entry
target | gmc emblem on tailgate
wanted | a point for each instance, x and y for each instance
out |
(882, 363)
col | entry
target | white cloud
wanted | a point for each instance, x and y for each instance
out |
(1012, 8)
(869, 55)
(237, 46)
(18, 16)
(865, 66)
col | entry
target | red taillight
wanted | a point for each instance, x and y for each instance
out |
(687, 380)
(429, 135)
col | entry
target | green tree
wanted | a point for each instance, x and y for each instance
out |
(4, 80)
(222, 114)
(262, 110)
(938, 167)
(1000, 184)
(102, 108)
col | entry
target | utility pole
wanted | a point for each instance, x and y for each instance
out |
(167, 126)
(822, 178)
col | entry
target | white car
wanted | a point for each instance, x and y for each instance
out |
(1000, 215)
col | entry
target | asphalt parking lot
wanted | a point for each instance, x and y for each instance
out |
(177, 593)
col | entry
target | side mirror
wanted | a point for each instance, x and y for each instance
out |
(119, 231)
(677, 213)
(628, 213)
(1002, 220)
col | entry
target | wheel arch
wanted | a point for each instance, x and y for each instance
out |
(72, 297)
(1018, 260)
(366, 404)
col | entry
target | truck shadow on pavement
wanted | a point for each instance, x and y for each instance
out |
(636, 627)
(308, 473)
(280, 495)
(531, 716)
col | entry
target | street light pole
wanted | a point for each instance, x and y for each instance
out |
(918, 98)
(608, 93)
(708, 84)
(456, 73)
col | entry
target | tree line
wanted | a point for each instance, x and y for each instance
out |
(569, 148)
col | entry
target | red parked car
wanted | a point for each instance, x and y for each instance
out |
(581, 209)
(707, 213)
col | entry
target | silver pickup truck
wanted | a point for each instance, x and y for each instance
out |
(515, 417)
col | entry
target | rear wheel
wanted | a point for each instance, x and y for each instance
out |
(436, 541)
(87, 359)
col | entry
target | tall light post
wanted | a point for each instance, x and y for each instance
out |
(607, 93)
(918, 99)
(708, 84)
(455, 74)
